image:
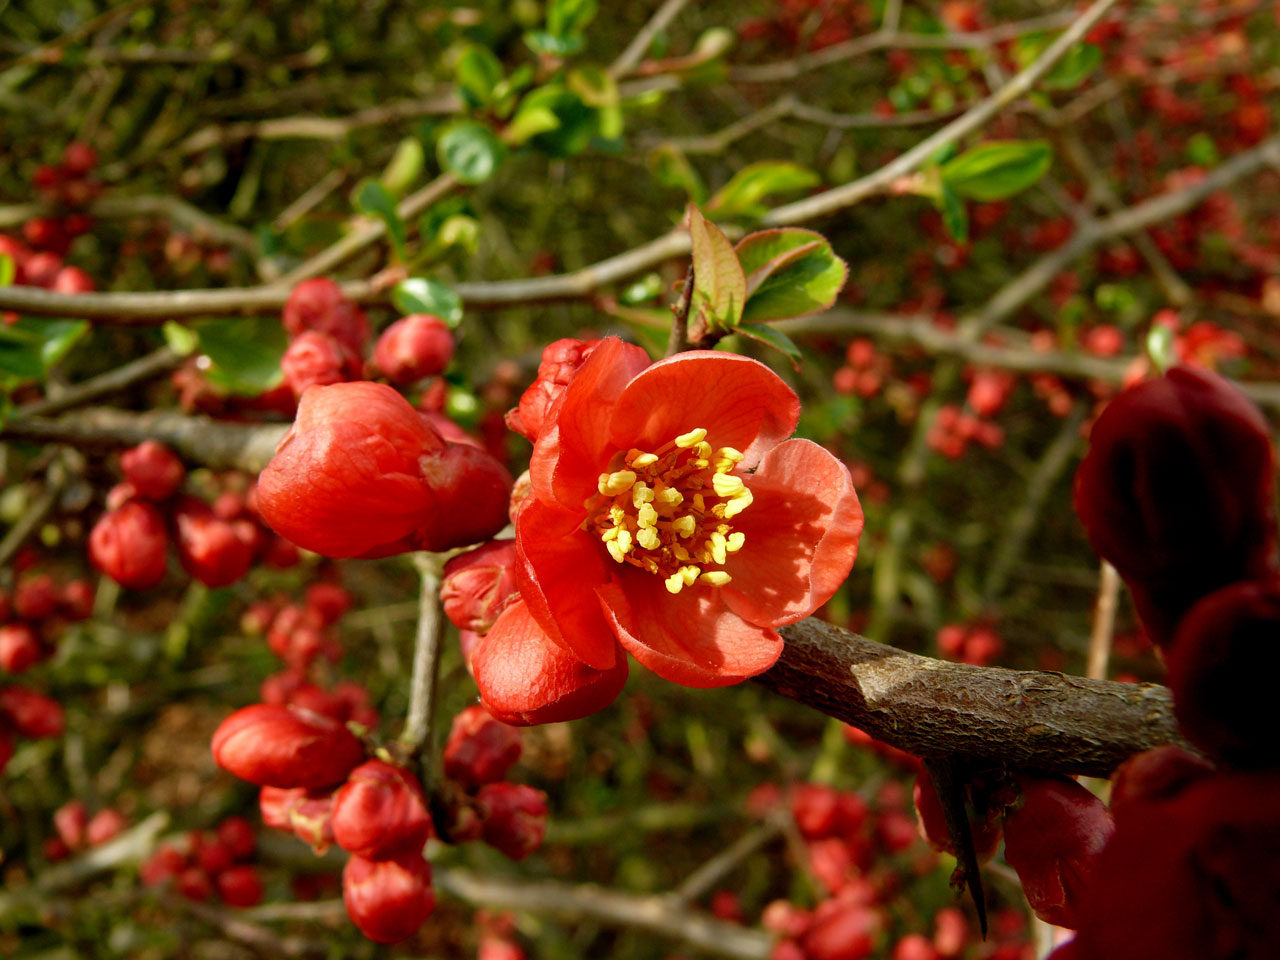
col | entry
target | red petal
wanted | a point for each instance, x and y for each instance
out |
(525, 679)
(568, 458)
(740, 402)
(691, 637)
(560, 565)
(802, 533)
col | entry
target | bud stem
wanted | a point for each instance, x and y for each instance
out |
(419, 728)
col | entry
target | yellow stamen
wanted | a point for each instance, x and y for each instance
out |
(649, 539)
(674, 583)
(735, 541)
(638, 458)
(738, 504)
(727, 485)
(718, 546)
(715, 578)
(641, 494)
(646, 516)
(692, 438)
(729, 453)
(684, 526)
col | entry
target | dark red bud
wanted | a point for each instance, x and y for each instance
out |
(317, 359)
(153, 471)
(36, 597)
(210, 549)
(842, 929)
(70, 821)
(285, 747)
(380, 812)
(418, 346)
(1152, 776)
(128, 545)
(20, 647)
(515, 817)
(32, 714)
(329, 600)
(240, 886)
(1052, 838)
(1177, 491)
(238, 836)
(319, 304)
(105, 825)
(472, 491)
(480, 749)
(479, 584)
(306, 813)
(560, 363)
(76, 601)
(389, 900)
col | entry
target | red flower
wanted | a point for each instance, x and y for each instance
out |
(668, 519)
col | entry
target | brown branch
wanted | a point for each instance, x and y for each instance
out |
(144, 368)
(639, 44)
(933, 708)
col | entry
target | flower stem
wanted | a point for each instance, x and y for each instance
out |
(679, 339)
(419, 726)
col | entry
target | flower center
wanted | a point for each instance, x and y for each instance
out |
(668, 512)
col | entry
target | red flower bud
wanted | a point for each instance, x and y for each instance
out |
(842, 929)
(380, 812)
(1222, 669)
(78, 159)
(32, 714)
(76, 600)
(194, 884)
(347, 478)
(240, 886)
(1152, 776)
(128, 545)
(480, 749)
(167, 862)
(211, 550)
(212, 857)
(319, 304)
(36, 597)
(914, 946)
(152, 470)
(308, 814)
(329, 600)
(1052, 838)
(472, 491)
(418, 346)
(20, 647)
(238, 836)
(560, 363)
(389, 900)
(479, 584)
(932, 822)
(105, 825)
(815, 809)
(276, 746)
(1178, 490)
(70, 820)
(317, 359)
(515, 817)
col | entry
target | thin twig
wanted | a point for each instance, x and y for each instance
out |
(1104, 621)
(679, 338)
(235, 927)
(131, 846)
(135, 371)
(54, 482)
(639, 44)
(419, 724)
(708, 876)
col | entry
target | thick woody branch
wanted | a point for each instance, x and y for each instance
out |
(933, 708)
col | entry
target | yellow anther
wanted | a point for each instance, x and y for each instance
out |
(648, 538)
(704, 450)
(727, 485)
(689, 575)
(674, 583)
(715, 578)
(699, 505)
(684, 526)
(616, 551)
(638, 458)
(641, 493)
(616, 483)
(617, 515)
(610, 534)
(738, 504)
(734, 542)
(692, 438)
(669, 495)
(718, 546)
(646, 516)
(729, 453)
(680, 553)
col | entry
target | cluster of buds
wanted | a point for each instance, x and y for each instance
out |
(216, 862)
(977, 644)
(34, 615)
(954, 428)
(217, 543)
(25, 713)
(75, 830)
(300, 633)
(69, 184)
(865, 370)
(329, 336)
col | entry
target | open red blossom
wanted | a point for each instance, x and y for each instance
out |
(360, 472)
(668, 519)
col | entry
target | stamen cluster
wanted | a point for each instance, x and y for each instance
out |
(668, 511)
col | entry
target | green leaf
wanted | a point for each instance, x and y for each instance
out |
(528, 122)
(1201, 150)
(569, 17)
(478, 74)
(1160, 347)
(374, 200)
(790, 273)
(7, 270)
(577, 123)
(774, 338)
(470, 151)
(244, 353)
(596, 88)
(719, 285)
(742, 195)
(672, 169)
(954, 215)
(424, 295)
(998, 168)
(549, 44)
(30, 347)
(1074, 67)
(405, 167)
(181, 340)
